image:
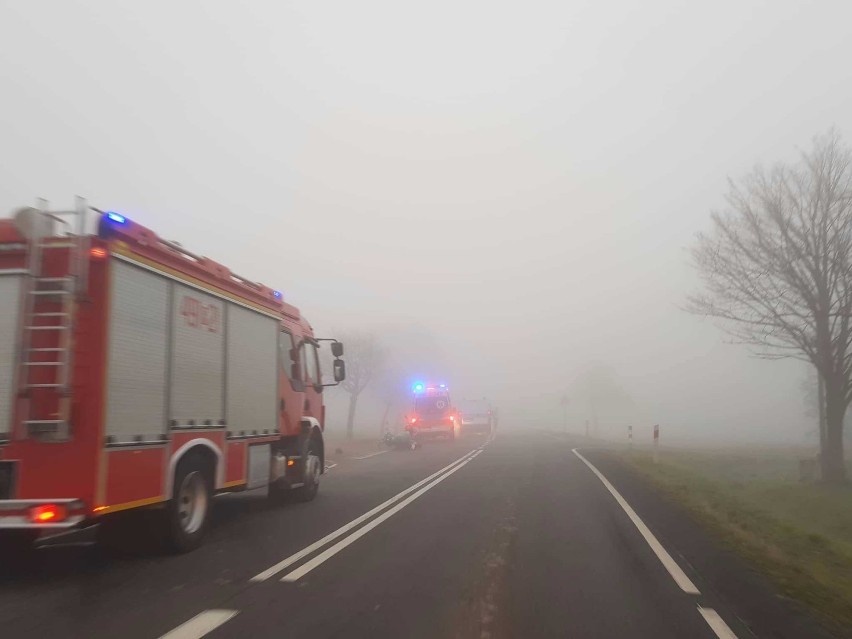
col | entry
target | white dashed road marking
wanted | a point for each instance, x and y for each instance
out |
(200, 624)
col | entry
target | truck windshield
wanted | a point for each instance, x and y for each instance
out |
(427, 405)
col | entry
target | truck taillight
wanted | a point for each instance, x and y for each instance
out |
(413, 420)
(97, 252)
(48, 513)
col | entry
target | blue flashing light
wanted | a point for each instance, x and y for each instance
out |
(418, 388)
(277, 294)
(115, 217)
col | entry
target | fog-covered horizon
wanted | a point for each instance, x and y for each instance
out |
(514, 184)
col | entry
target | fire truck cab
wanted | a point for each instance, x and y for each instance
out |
(135, 374)
(432, 414)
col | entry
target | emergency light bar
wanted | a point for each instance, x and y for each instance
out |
(419, 387)
(115, 217)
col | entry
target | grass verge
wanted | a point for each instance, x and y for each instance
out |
(799, 535)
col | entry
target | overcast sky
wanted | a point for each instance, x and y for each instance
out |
(521, 180)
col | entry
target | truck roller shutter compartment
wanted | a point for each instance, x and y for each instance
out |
(136, 360)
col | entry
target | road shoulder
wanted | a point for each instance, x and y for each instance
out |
(745, 593)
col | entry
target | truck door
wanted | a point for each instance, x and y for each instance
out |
(312, 379)
(291, 385)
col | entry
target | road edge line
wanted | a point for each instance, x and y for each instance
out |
(716, 623)
(679, 576)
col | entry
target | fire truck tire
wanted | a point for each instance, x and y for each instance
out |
(188, 512)
(311, 478)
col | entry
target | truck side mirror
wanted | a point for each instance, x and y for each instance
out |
(339, 370)
(337, 349)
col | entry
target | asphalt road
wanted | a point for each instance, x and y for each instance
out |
(517, 537)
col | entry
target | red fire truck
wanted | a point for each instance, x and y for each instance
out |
(433, 414)
(135, 374)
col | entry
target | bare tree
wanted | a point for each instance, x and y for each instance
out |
(365, 357)
(811, 388)
(777, 273)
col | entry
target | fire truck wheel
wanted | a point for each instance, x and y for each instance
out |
(189, 509)
(313, 469)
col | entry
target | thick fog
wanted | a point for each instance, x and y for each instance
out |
(503, 192)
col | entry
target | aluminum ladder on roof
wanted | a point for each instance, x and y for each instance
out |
(47, 369)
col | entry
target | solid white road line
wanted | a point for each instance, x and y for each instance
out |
(662, 554)
(305, 568)
(381, 452)
(200, 624)
(289, 561)
(716, 623)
